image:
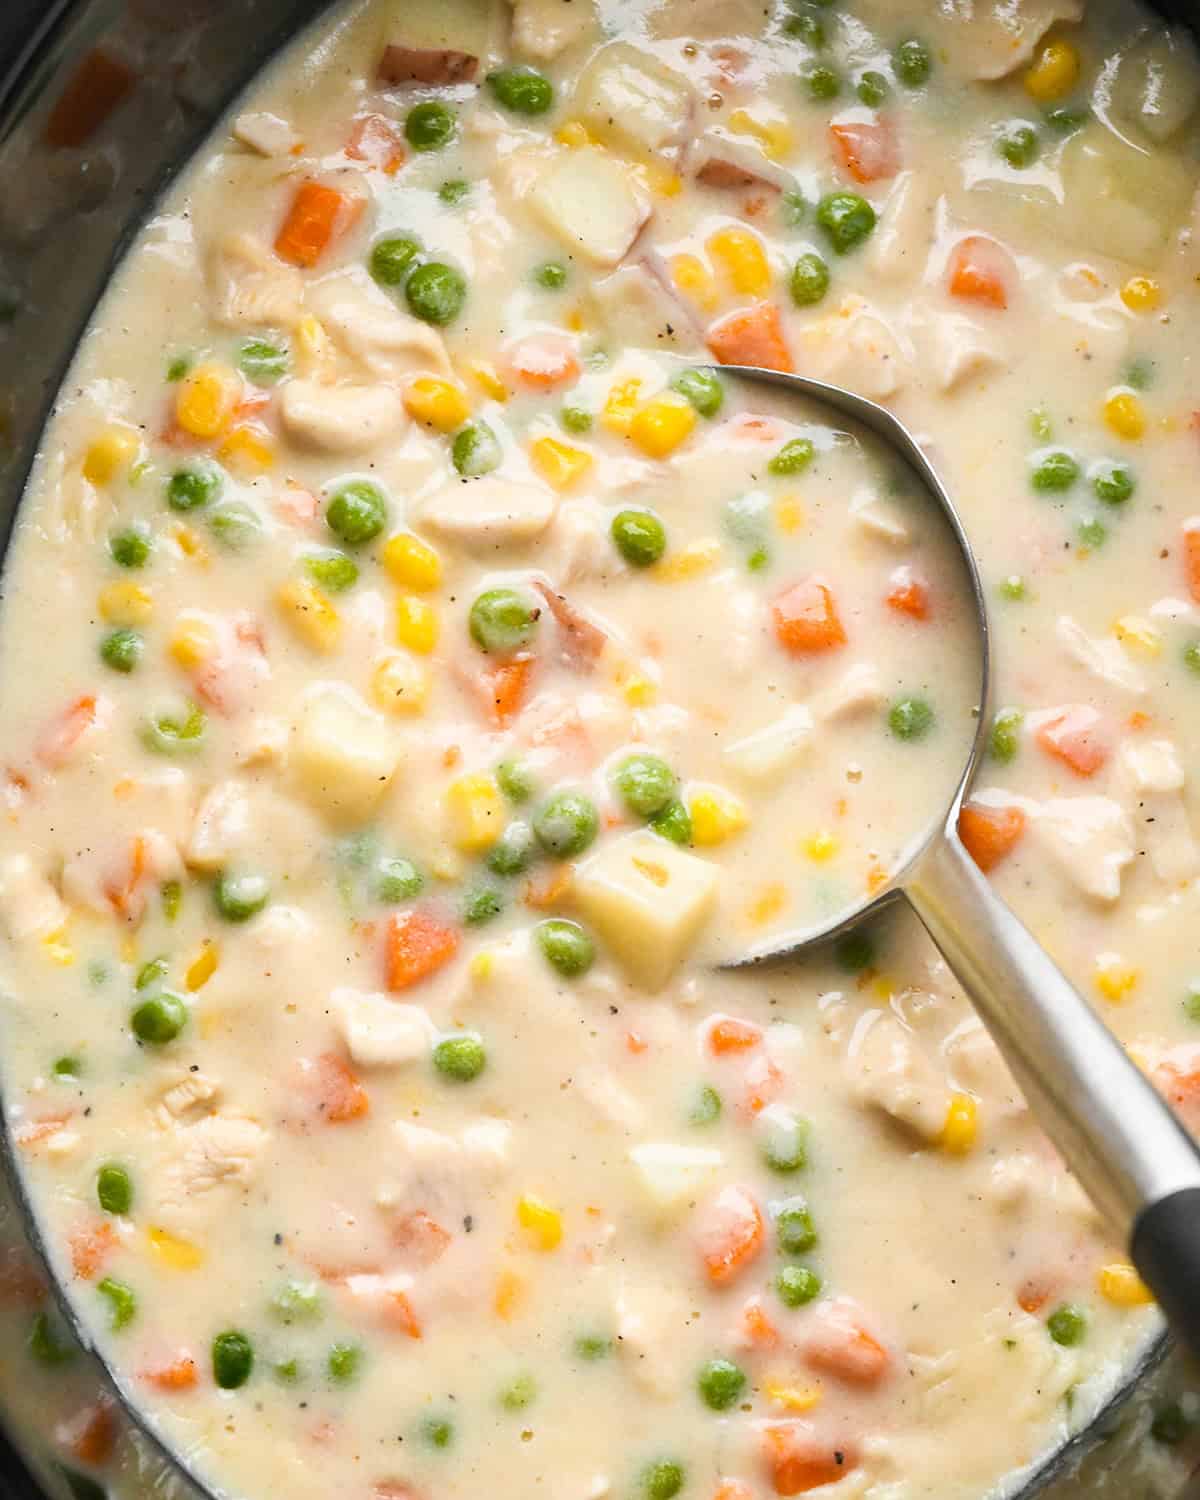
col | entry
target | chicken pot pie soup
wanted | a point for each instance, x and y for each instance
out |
(440, 664)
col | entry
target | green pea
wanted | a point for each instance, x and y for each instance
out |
(122, 1301)
(847, 219)
(1139, 373)
(793, 208)
(1040, 424)
(759, 559)
(793, 458)
(121, 650)
(872, 88)
(151, 974)
(1112, 481)
(522, 90)
(298, 1302)
(640, 537)
(519, 1393)
(238, 897)
(593, 1347)
(823, 82)
(235, 525)
(67, 1068)
(720, 1383)
(661, 1480)
(130, 548)
(1092, 533)
(576, 419)
(702, 388)
(674, 823)
(333, 571)
(566, 824)
(784, 1145)
(1067, 1325)
(1191, 1003)
(1191, 656)
(454, 191)
(912, 63)
(1171, 1425)
(1053, 470)
(262, 361)
(195, 486)
(481, 905)
(810, 280)
(160, 1019)
(49, 1342)
(287, 1371)
(438, 1432)
(178, 366)
(1018, 144)
(461, 1057)
(393, 258)
(357, 512)
(344, 1363)
(174, 734)
(476, 450)
(1013, 588)
(396, 880)
(514, 851)
(436, 293)
(1066, 119)
(706, 1109)
(552, 276)
(854, 951)
(565, 946)
(171, 895)
(515, 781)
(232, 1359)
(910, 718)
(809, 28)
(645, 784)
(1005, 738)
(99, 972)
(114, 1190)
(429, 126)
(794, 1229)
(503, 620)
(797, 1285)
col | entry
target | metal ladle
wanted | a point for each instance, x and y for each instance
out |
(1136, 1161)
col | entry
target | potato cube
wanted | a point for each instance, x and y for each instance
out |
(343, 756)
(647, 901)
(588, 199)
(769, 754)
(378, 1032)
(673, 1177)
(628, 96)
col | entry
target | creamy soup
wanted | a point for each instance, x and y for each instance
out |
(441, 665)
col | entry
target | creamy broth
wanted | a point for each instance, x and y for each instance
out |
(445, 667)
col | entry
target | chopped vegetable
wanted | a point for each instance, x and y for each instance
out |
(461, 1058)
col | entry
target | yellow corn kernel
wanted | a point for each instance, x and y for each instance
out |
(1139, 634)
(575, 320)
(412, 563)
(509, 1294)
(767, 905)
(883, 987)
(190, 544)
(486, 377)
(58, 947)
(205, 401)
(1053, 72)
(476, 812)
(416, 624)
(717, 815)
(193, 641)
(436, 403)
(312, 345)
(174, 1253)
(877, 877)
(744, 259)
(1120, 1284)
(445, 864)
(1141, 294)
(542, 1223)
(1115, 979)
(776, 135)
(662, 181)
(820, 846)
(203, 966)
(789, 514)
(639, 692)
(400, 684)
(128, 950)
(662, 425)
(793, 1397)
(126, 604)
(693, 278)
(574, 133)
(107, 455)
(1125, 416)
(482, 967)
(961, 1129)
(558, 463)
(691, 561)
(620, 405)
(248, 450)
(310, 614)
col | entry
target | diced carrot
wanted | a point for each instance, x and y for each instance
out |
(420, 1238)
(543, 361)
(505, 687)
(1191, 555)
(806, 617)
(728, 1034)
(763, 1084)
(799, 1461)
(296, 505)
(757, 1328)
(393, 1489)
(751, 336)
(989, 833)
(376, 141)
(124, 892)
(754, 429)
(59, 738)
(399, 1314)
(180, 1375)
(91, 1435)
(318, 216)
(91, 1245)
(841, 1345)
(98, 85)
(731, 1234)
(1076, 737)
(981, 270)
(340, 1095)
(868, 151)
(1033, 1294)
(583, 642)
(547, 889)
(417, 944)
(636, 1043)
(733, 1489)
(909, 594)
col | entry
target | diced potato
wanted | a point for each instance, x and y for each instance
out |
(628, 96)
(265, 134)
(489, 512)
(648, 902)
(770, 753)
(475, 812)
(339, 418)
(544, 28)
(673, 1177)
(1157, 86)
(343, 756)
(858, 689)
(378, 1031)
(1119, 201)
(877, 518)
(589, 200)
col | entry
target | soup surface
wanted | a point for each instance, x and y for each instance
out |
(441, 665)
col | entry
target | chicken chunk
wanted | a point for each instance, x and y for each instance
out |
(264, 133)
(340, 419)
(488, 514)
(1090, 839)
(1153, 774)
(1103, 657)
(887, 1071)
(960, 350)
(217, 1151)
(542, 29)
(221, 828)
(378, 1031)
(371, 329)
(250, 288)
(29, 904)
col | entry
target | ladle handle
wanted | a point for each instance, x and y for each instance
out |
(1133, 1157)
